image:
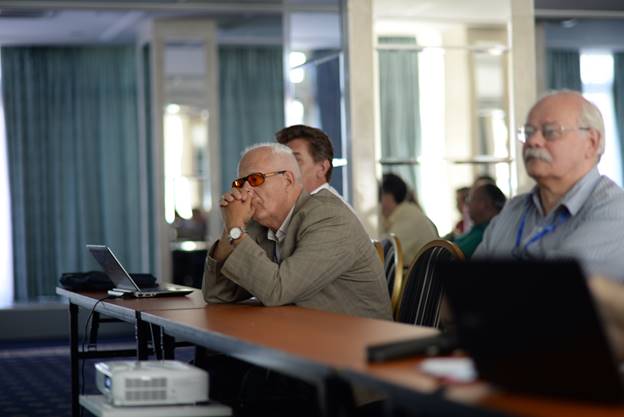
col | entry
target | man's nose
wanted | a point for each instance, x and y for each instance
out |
(247, 187)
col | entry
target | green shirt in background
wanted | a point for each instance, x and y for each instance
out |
(468, 242)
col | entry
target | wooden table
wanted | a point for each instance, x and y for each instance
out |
(400, 378)
(293, 340)
(317, 346)
(310, 345)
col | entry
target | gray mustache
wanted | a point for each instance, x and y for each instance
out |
(536, 153)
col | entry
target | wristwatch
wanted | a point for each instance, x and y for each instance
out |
(235, 233)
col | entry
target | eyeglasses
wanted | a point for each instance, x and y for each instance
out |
(550, 131)
(255, 179)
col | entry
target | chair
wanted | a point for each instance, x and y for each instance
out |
(393, 267)
(421, 298)
(379, 248)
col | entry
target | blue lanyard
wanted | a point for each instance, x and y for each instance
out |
(561, 218)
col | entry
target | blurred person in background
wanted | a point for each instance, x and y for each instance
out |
(484, 203)
(404, 218)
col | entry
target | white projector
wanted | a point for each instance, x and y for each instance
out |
(151, 382)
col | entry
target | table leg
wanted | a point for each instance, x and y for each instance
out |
(168, 345)
(73, 350)
(95, 325)
(200, 355)
(142, 332)
(157, 343)
(335, 397)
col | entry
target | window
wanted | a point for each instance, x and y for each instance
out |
(460, 114)
(313, 82)
(597, 79)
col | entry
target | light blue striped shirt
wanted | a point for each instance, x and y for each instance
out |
(587, 224)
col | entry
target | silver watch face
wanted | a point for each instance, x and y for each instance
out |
(235, 233)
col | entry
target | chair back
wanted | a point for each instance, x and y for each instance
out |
(421, 298)
(379, 248)
(393, 267)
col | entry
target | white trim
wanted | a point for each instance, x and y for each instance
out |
(6, 234)
(358, 38)
(203, 30)
(522, 82)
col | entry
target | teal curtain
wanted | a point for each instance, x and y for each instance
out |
(563, 69)
(71, 120)
(618, 98)
(399, 107)
(252, 101)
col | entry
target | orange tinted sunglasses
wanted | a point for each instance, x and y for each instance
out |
(255, 179)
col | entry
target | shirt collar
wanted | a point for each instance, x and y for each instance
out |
(281, 232)
(574, 199)
(325, 186)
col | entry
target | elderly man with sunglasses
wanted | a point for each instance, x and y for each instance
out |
(573, 211)
(285, 246)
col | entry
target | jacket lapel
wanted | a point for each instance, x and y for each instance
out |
(287, 246)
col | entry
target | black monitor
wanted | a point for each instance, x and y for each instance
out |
(532, 326)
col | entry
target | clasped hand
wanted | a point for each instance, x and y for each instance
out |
(236, 208)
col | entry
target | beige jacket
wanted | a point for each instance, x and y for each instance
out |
(328, 263)
(412, 227)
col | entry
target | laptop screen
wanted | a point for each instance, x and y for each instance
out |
(532, 326)
(113, 268)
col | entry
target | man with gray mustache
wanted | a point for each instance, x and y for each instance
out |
(573, 211)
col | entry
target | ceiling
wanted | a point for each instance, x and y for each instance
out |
(70, 27)
(49, 22)
(588, 34)
(586, 5)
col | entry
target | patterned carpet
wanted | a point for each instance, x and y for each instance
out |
(35, 385)
(35, 379)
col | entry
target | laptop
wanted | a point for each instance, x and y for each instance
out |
(124, 284)
(533, 326)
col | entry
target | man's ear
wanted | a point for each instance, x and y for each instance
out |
(324, 168)
(290, 177)
(594, 141)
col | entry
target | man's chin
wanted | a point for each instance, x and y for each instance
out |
(259, 218)
(536, 171)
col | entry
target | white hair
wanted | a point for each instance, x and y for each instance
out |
(590, 115)
(278, 150)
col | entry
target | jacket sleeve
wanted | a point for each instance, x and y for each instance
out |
(216, 288)
(324, 251)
